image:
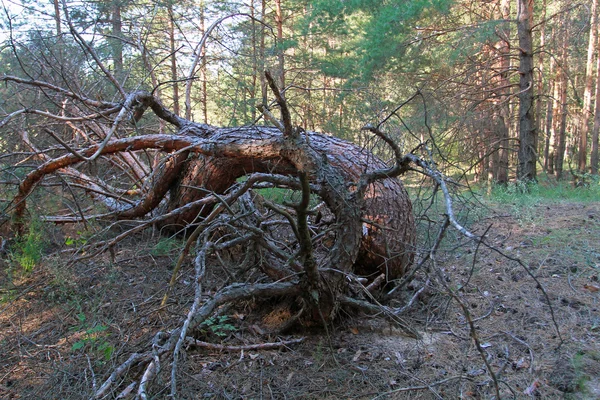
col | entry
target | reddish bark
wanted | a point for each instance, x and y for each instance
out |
(223, 154)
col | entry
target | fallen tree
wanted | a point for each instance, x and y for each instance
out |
(202, 181)
(344, 230)
(372, 226)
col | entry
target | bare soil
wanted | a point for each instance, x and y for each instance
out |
(64, 327)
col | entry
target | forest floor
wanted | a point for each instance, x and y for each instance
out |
(64, 327)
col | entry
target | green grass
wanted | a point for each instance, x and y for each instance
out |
(286, 196)
(166, 246)
(542, 192)
(29, 248)
(520, 200)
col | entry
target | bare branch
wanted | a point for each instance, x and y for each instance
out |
(288, 129)
(58, 89)
(191, 342)
(91, 51)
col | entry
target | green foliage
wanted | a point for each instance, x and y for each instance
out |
(80, 240)
(94, 338)
(520, 199)
(583, 362)
(286, 196)
(520, 194)
(7, 295)
(219, 326)
(166, 246)
(29, 248)
(374, 35)
(276, 195)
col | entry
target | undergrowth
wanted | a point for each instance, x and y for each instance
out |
(520, 199)
(545, 191)
(28, 249)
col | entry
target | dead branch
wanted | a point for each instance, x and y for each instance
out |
(232, 293)
(191, 342)
(200, 267)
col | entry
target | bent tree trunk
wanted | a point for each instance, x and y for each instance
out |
(387, 229)
(373, 229)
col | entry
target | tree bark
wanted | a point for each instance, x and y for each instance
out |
(57, 17)
(388, 233)
(587, 94)
(504, 113)
(526, 169)
(374, 231)
(596, 128)
(203, 69)
(549, 128)
(561, 123)
(116, 43)
(541, 88)
(173, 57)
(280, 52)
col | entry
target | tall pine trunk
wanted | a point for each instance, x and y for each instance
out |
(561, 123)
(596, 129)
(587, 94)
(504, 114)
(173, 59)
(116, 43)
(57, 17)
(526, 168)
(280, 50)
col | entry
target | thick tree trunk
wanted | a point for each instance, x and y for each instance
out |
(587, 94)
(388, 232)
(561, 123)
(596, 128)
(374, 228)
(526, 170)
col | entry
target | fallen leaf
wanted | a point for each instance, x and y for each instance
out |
(591, 288)
(522, 363)
(354, 331)
(530, 391)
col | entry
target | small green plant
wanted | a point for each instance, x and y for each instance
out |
(94, 338)
(7, 296)
(80, 240)
(165, 246)
(29, 248)
(318, 355)
(219, 326)
(582, 378)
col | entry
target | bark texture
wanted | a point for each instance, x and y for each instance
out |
(526, 170)
(377, 230)
(197, 179)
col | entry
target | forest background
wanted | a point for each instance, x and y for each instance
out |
(344, 64)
